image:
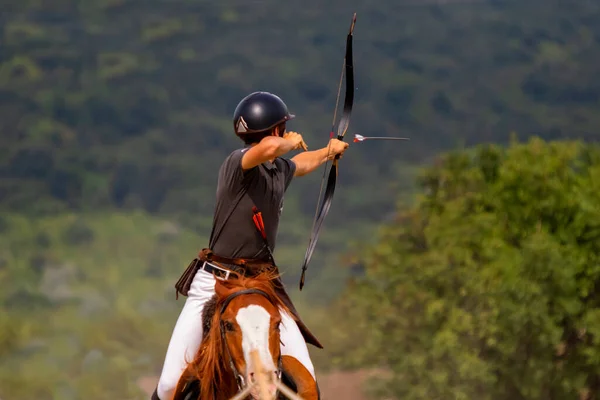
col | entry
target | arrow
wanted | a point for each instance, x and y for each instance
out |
(360, 138)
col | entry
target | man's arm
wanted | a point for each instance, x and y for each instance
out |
(308, 161)
(269, 148)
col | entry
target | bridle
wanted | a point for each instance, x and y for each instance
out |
(241, 381)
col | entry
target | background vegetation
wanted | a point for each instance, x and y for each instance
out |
(479, 272)
(488, 287)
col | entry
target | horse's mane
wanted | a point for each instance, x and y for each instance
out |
(210, 366)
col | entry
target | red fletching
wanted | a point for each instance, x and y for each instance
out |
(258, 222)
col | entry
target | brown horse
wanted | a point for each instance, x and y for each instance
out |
(242, 318)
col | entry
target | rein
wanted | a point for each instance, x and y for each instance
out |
(241, 382)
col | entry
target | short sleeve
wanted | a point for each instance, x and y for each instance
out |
(289, 169)
(231, 171)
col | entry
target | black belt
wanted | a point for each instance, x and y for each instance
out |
(218, 272)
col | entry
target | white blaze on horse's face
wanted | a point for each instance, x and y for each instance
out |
(255, 322)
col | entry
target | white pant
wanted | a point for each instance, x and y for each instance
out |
(187, 336)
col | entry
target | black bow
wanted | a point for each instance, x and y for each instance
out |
(341, 131)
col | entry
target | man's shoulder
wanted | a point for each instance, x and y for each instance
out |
(231, 167)
(238, 151)
(235, 155)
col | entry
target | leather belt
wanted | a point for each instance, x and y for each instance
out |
(222, 268)
(219, 273)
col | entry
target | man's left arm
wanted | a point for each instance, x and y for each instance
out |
(308, 161)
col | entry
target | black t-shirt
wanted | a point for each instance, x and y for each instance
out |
(263, 186)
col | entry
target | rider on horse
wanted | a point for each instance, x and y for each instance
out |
(250, 192)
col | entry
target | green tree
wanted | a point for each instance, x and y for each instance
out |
(488, 287)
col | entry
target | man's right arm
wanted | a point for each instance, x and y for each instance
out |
(267, 149)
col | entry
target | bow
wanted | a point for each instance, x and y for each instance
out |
(341, 131)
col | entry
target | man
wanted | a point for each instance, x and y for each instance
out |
(254, 176)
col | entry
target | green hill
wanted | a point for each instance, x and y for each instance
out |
(127, 104)
(88, 302)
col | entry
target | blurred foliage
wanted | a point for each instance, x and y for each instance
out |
(486, 288)
(128, 104)
(120, 104)
(87, 314)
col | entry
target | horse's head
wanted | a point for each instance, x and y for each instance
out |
(249, 322)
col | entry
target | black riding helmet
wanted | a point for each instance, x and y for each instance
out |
(259, 112)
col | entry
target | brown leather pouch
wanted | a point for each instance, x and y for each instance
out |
(185, 281)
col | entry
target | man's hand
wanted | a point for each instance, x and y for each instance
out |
(296, 139)
(336, 147)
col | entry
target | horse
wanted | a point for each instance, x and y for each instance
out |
(241, 320)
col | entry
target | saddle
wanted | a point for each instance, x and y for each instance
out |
(246, 267)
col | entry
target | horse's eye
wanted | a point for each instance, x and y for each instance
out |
(229, 327)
